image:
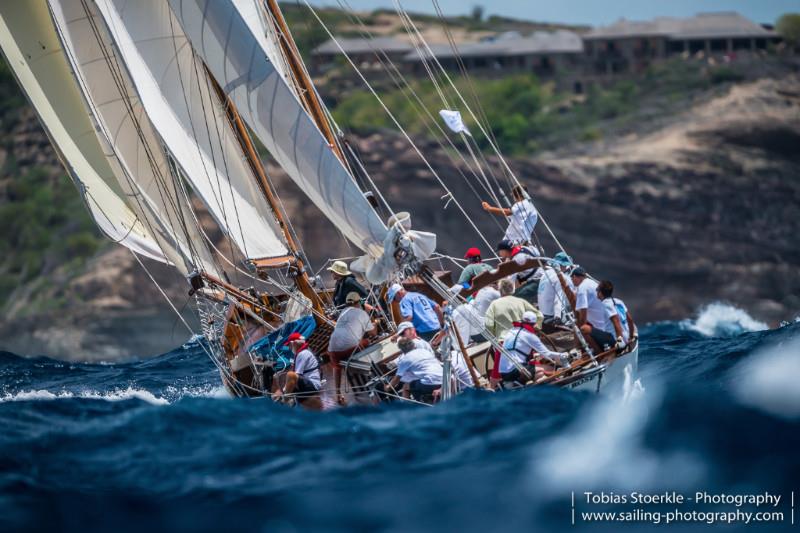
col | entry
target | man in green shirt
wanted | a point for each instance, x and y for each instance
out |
(507, 309)
(474, 267)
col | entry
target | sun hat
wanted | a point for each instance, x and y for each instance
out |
(393, 290)
(352, 297)
(339, 267)
(293, 337)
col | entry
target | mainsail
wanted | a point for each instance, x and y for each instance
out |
(32, 50)
(184, 109)
(265, 100)
(156, 194)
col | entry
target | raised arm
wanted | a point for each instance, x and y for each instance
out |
(502, 211)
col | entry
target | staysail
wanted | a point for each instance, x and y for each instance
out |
(187, 114)
(32, 49)
(156, 196)
(237, 59)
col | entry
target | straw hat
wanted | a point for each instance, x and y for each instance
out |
(339, 267)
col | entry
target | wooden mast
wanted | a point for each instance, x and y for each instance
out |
(308, 94)
(301, 279)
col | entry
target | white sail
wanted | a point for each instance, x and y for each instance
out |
(256, 17)
(186, 112)
(132, 146)
(33, 52)
(266, 102)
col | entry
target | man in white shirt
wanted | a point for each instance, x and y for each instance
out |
(618, 317)
(551, 298)
(522, 344)
(348, 336)
(418, 370)
(590, 313)
(303, 380)
(408, 331)
(522, 216)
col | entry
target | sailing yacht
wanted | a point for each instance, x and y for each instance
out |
(155, 108)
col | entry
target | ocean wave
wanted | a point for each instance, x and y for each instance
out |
(768, 380)
(719, 319)
(111, 396)
(605, 448)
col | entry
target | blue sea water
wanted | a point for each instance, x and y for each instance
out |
(155, 445)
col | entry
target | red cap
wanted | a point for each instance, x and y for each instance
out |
(472, 252)
(294, 337)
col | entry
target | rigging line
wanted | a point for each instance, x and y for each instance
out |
(184, 93)
(402, 83)
(397, 124)
(462, 67)
(417, 40)
(406, 19)
(197, 224)
(491, 143)
(132, 184)
(119, 81)
(172, 306)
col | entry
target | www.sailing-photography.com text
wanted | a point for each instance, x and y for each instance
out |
(672, 507)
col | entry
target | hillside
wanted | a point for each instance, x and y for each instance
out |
(682, 198)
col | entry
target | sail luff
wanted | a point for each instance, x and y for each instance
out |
(131, 146)
(269, 106)
(189, 117)
(33, 52)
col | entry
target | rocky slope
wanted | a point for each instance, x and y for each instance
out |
(704, 208)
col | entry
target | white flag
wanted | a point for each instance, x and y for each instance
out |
(453, 121)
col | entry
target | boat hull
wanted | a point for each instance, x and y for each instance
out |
(614, 378)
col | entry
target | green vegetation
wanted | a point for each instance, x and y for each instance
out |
(527, 115)
(43, 225)
(788, 26)
(43, 222)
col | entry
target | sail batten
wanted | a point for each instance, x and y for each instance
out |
(270, 107)
(176, 95)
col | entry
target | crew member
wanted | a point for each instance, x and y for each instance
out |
(521, 344)
(418, 370)
(527, 280)
(590, 313)
(345, 283)
(522, 216)
(303, 378)
(552, 300)
(615, 306)
(353, 327)
(407, 330)
(475, 266)
(506, 310)
(424, 313)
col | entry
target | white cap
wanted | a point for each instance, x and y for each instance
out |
(393, 290)
(530, 317)
(402, 326)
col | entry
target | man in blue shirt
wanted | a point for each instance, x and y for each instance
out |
(424, 313)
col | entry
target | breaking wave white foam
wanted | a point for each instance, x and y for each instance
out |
(111, 396)
(723, 320)
(768, 380)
